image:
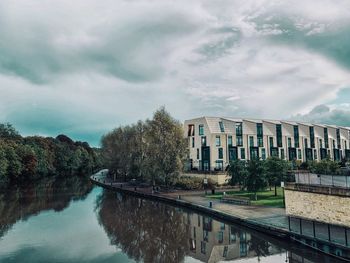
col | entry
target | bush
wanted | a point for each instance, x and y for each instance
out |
(193, 183)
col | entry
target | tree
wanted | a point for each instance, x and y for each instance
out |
(238, 172)
(256, 176)
(276, 171)
(166, 147)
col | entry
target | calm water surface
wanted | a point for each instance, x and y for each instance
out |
(72, 221)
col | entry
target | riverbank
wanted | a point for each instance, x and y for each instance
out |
(268, 220)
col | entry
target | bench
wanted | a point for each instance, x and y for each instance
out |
(238, 200)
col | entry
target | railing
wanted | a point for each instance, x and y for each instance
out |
(322, 179)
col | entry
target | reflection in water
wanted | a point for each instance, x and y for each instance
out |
(64, 221)
(148, 231)
(22, 202)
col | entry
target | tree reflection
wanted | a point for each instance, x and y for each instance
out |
(20, 203)
(146, 231)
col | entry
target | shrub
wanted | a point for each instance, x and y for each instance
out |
(193, 183)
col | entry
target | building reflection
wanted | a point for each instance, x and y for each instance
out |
(214, 241)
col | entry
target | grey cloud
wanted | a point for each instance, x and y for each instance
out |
(325, 115)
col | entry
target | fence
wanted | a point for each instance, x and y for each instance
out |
(321, 179)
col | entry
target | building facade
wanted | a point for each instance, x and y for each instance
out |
(214, 141)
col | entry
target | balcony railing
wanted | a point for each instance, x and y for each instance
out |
(322, 179)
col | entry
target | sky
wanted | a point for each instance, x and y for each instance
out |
(84, 67)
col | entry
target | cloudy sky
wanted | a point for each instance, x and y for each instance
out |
(84, 67)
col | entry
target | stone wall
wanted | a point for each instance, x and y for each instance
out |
(332, 209)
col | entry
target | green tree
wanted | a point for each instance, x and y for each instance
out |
(256, 176)
(238, 172)
(276, 171)
(166, 147)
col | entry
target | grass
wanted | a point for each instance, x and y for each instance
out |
(265, 198)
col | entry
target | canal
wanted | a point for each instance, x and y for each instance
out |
(73, 221)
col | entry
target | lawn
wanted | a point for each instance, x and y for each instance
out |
(265, 198)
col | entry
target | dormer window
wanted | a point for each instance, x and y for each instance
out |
(221, 125)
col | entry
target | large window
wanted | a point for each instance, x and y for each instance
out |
(259, 129)
(260, 142)
(251, 141)
(296, 136)
(326, 144)
(221, 125)
(271, 141)
(239, 140)
(201, 129)
(192, 142)
(239, 129)
(338, 139)
(279, 135)
(204, 141)
(220, 153)
(299, 154)
(263, 153)
(242, 153)
(229, 140)
(312, 137)
(217, 140)
(190, 130)
(197, 154)
(282, 154)
(289, 142)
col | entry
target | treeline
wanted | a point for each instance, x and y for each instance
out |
(29, 158)
(152, 150)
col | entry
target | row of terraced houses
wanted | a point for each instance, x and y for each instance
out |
(215, 141)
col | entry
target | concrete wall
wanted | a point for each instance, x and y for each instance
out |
(332, 209)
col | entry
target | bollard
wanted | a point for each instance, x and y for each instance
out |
(179, 197)
(210, 204)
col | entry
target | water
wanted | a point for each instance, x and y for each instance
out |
(72, 221)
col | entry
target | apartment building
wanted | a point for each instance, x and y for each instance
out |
(215, 141)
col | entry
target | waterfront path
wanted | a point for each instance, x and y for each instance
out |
(259, 217)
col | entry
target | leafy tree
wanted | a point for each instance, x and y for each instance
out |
(238, 172)
(256, 177)
(276, 171)
(7, 131)
(326, 166)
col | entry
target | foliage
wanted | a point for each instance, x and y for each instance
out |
(276, 171)
(256, 176)
(152, 151)
(326, 166)
(30, 158)
(193, 183)
(238, 172)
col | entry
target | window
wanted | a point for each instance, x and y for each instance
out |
(192, 244)
(282, 154)
(320, 142)
(220, 153)
(220, 237)
(217, 141)
(224, 253)
(239, 140)
(197, 154)
(260, 142)
(305, 143)
(315, 154)
(325, 131)
(263, 153)
(251, 141)
(190, 130)
(279, 135)
(312, 137)
(338, 139)
(194, 232)
(296, 136)
(219, 165)
(204, 141)
(221, 125)
(259, 129)
(232, 235)
(299, 154)
(222, 226)
(289, 142)
(205, 235)
(242, 153)
(192, 142)
(201, 129)
(271, 141)
(229, 141)
(239, 129)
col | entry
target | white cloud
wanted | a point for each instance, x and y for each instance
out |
(86, 66)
